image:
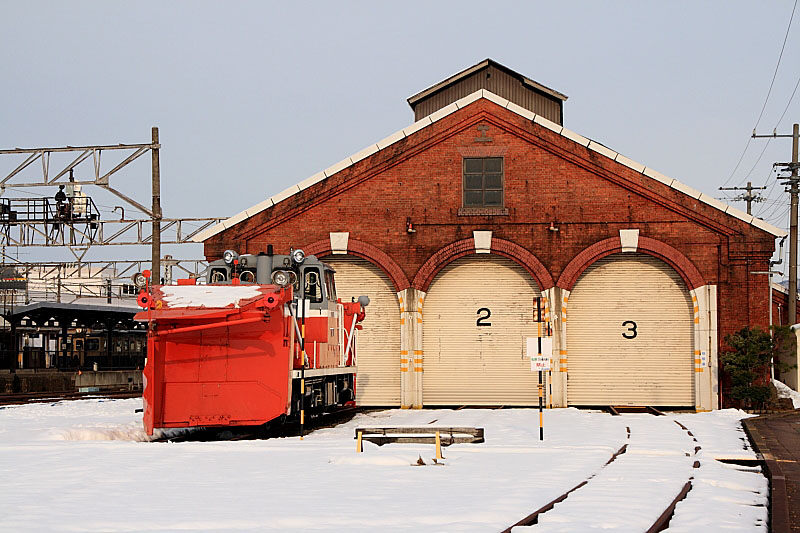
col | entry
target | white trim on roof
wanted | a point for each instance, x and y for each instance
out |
(502, 102)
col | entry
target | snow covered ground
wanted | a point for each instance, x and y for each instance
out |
(86, 466)
(784, 391)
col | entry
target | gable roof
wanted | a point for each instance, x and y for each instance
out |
(511, 106)
(474, 68)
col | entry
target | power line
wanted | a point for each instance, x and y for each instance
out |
(769, 192)
(780, 56)
(796, 85)
(748, 196)
(758, 159)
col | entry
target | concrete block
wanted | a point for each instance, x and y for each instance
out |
(284, 194)
(741, 215)
(463, 102)
(208, 233)
(769, 228)
(311, 180)
(235, 219)
(685, 189)
(713, 202)
(540, 120)
(499, 100)
(338, 167)
(571, 135)
(521, 111)
(366, 152)
(602, 150)
(443, 112)
(266, 204)
(339, 242)
(658, 176)
(629, 239)
(483, 241)
(630, 163)
(418, 125)
(391, 139)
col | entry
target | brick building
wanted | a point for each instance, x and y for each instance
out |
(456, 224)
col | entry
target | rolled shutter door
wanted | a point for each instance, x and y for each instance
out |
(470, 364)
(630, 335)
(378, 378)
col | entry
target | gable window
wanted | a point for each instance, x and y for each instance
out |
(483, 182)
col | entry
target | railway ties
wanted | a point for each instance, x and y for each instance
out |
(637, 490)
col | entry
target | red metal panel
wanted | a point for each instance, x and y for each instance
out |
(217, 374)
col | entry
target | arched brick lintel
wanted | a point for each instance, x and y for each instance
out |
(365, 251)
(465, 247)
(682, 265)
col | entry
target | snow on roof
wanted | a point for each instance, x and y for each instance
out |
(519, 110)
(177, 296)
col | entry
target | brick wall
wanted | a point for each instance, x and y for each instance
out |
(549, 180)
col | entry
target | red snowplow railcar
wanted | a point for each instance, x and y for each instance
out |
(236, 351)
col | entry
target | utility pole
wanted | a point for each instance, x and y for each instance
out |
(748, 197)
(792, 182)
(156, 244)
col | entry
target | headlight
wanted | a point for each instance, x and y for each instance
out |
(139, 280)
(280, 277)
(298, 256)
(229, 257)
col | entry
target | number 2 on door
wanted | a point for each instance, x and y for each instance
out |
(482, 319)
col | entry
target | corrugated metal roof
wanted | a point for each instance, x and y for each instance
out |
(483, 64)
(502, 102)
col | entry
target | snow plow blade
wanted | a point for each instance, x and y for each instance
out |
(216, 356)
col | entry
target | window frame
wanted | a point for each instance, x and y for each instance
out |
(483, 189)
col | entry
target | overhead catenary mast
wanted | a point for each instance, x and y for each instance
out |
(793, 189)
(748, 196)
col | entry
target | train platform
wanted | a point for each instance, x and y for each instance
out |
(777, 438)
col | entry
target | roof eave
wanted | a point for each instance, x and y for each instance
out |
(412, 100)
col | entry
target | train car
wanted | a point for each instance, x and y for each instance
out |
(262, 337)
(128, 349)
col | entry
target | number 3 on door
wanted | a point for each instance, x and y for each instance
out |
(631, 333)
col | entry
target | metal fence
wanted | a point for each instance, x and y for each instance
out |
(37, 358)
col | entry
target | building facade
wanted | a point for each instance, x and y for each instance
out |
(455, 225)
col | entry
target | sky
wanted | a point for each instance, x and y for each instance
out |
(252, 97)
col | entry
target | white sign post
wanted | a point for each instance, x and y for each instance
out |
(540, 361)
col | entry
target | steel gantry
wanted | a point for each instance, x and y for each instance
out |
(71, 219)
(74, 222)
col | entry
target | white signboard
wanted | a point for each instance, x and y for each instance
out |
(540, 361)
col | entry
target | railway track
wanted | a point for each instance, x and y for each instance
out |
(663, 520)
(50, 397)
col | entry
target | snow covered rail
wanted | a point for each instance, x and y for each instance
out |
(533, 518)
(662, 522)
(637, 491)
